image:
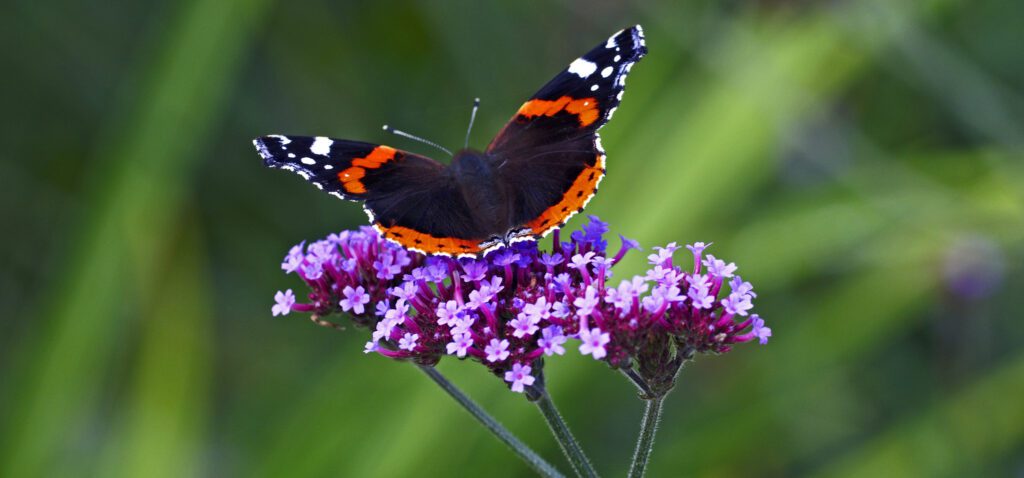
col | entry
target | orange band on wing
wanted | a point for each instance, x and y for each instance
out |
(421, 241)
(584, 108)
(582, 189)
(351, 177)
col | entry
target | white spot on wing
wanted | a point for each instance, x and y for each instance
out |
(618, 57)
(309, 161)
(291, 155)
(321, 146)
(619, 96)
(283, 139)
(611, 43)
(606, 72)
(593, 88)
(328, 167)
(583, 68)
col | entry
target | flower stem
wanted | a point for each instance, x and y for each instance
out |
(532, 459)
(645, 391)
(644, 444)
(580, 464)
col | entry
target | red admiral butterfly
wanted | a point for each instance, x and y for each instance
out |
(540, 170)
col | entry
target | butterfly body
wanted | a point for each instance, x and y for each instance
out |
(543, 167)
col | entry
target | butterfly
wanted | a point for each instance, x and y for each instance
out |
(542, 168)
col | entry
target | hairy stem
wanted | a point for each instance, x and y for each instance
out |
(580, 464)
(644, 444)
(532, 459)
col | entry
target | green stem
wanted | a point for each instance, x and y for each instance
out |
(645, 391)
(644, 444)
(532, 459)
(580, 464)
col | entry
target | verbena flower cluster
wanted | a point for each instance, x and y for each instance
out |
(517, 305)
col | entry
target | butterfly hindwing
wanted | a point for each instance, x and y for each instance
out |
(411, 199)
(550, 154)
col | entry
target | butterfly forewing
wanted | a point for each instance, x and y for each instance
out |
(410, 199)
(550, 153)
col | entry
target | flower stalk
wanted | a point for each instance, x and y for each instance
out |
(645, 443)
(532, 459)
(570, 447)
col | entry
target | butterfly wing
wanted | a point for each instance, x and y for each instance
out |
(411, 200)
(549, 154)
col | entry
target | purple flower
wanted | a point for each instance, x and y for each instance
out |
(493, 287)
(294, 258)
(382, 307)
(524, 325)
(497, 350)
(718, 267)
(622, 297)
(312, 271)
(697, 248)
(463, 322)
(699, 292)
(551, 340)
(737, 304)
(285, 300)
(519, 376)
(408, 341)
(663, 256)
(436, 272)
(738, 286)
(370, 346)
(447, 313)
(459, 345)
(474, 271)
(581, 261)
(760, 331)
(585, 304)
(628, 243)
(505, 257)
(386, 267)
(486, 292)
(560, 310)
(593, 342)
(322, 251)
(551, 260)
(354, 299)
(562, 281)
(383, 330)
(539, 310)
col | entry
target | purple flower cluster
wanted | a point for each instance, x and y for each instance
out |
(520, 304)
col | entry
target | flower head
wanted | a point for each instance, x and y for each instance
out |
(513, 307)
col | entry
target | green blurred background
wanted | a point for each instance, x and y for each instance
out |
(860, 161)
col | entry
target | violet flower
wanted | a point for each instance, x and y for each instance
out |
(517, 305)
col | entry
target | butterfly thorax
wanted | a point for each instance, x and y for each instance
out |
(476, 177)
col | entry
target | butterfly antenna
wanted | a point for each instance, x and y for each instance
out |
(416, 138)
(472, 117)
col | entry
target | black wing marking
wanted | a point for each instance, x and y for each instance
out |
(410, 199)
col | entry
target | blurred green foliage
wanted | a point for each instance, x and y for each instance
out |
(860, 160)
